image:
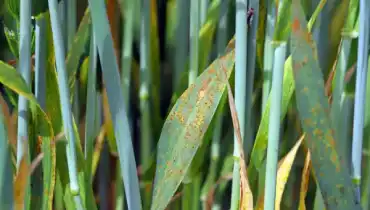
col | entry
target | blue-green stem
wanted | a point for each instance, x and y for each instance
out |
(90, 123)
(25, 70)
(117, 107)
(145, 84)
(181, 40)
(365, 183)
(194, 40)
(40, 61)
(65, 102)
(360, 94)
(274, 126)
(240, 91)
(203, 11)
(268, 55)
(251, 63)
(127, 8)
(62, 12)
(71, 13)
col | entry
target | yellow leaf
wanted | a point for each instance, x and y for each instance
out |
(21, 179)
(304, 183)
(283, 172)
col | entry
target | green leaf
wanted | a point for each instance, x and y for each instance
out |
(78, 47)
(313, 108)
(283, 27)
(185, 127)
(12, 37)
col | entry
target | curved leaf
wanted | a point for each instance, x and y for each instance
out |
(185, 127)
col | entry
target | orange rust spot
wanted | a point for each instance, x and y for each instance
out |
(318, 132)
(331, 140)
(296, 66)
(295, 25)
(212, 71)
(313, 111)
(305, 90)
(308, 38)
(334, 159)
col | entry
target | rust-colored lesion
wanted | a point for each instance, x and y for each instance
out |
(318, 133)
(296, 25)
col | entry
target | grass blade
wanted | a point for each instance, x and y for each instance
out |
(241, 42)
(65, 102)
(185, 127)
(304, 183)
(6, 173)
(116, 103)
(259, 148)
(313, 109)
(246, 197)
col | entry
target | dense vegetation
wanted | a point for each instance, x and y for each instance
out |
(184, 104)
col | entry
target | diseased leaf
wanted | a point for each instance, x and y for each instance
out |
(313, 108)
(246, 196)
(258, 154)
(304, 182)
(185, 127)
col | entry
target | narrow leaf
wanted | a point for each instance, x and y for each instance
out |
(21, 179)
(185, 127)
(246, 197)
(304, 182)
(313, 109)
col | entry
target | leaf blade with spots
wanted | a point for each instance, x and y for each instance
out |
(185, 127)
(313, 109)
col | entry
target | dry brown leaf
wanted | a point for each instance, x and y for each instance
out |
(246, 196)
(304, 183)
(21, 180)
